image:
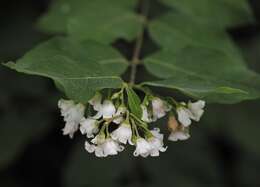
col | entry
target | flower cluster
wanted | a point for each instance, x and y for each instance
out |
(110, 124)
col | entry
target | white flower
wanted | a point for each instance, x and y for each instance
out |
(156, 142)
(145, 115)
(89, 126)
(106, 147)
(192, 111)
(123, 133)
(184, 115)
(143, 148)
(197, 109)
(72, 114)
(96, 101)
(160, 108)
(180, 133)
(111, 147)
(119, 118)
(107, 110)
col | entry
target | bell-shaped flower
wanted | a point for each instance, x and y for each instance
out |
(107, 110)
(143, 147)
(180, 133)
(89, 126)
(123, 133)
(160, 108)
(196, 109)
(119, 114)
(111, 147)
(72, 114)
(146, 117)
(96, 101)
(156, 142)
(184, 115)
(192, 111)
(106, 146)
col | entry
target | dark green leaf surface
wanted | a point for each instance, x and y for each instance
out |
(134, 102)
(175, 31)
(220, 13)
(204, 74)
(103, 21)
(77, 68)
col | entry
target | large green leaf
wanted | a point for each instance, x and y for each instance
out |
(204, 74)
(76, 68)
(100, 20)
(220, 13)
(175, 31)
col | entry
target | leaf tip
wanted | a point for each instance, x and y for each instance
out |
(9, 64)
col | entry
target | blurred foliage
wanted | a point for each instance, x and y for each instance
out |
(223, 151)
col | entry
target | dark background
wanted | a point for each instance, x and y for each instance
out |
(224, 149)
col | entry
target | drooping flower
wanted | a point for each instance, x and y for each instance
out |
(193, 111)
(146, 117)
(180, 133)
(108, 109)
(156, 142)
(119, 114)
(196, 109)
(184, 115)
(89, 126)
(143, 147)
(72, 114)
(160, 108)
(106, 146)
(96, 101)
(123, 133)
(111, 147)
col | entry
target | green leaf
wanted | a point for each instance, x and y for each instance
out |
(220, 13)
(76, 68)
(134, 102)
(175, 31)
(204, 74)
(101, 20)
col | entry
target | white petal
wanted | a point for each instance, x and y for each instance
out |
(179, 134)
(70, 128)
(158, 108)
(72, 114)
(184, 116)
(143, 148)
(96, 102)
(111, 147)
(108, 109)
(89, 147)
(197, 109)
(122, 134)
(89, 126)
(156, 143)
(99, 152)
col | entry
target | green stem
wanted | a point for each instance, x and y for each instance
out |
(139, 42)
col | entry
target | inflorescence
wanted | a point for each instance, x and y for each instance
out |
(110, 124)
